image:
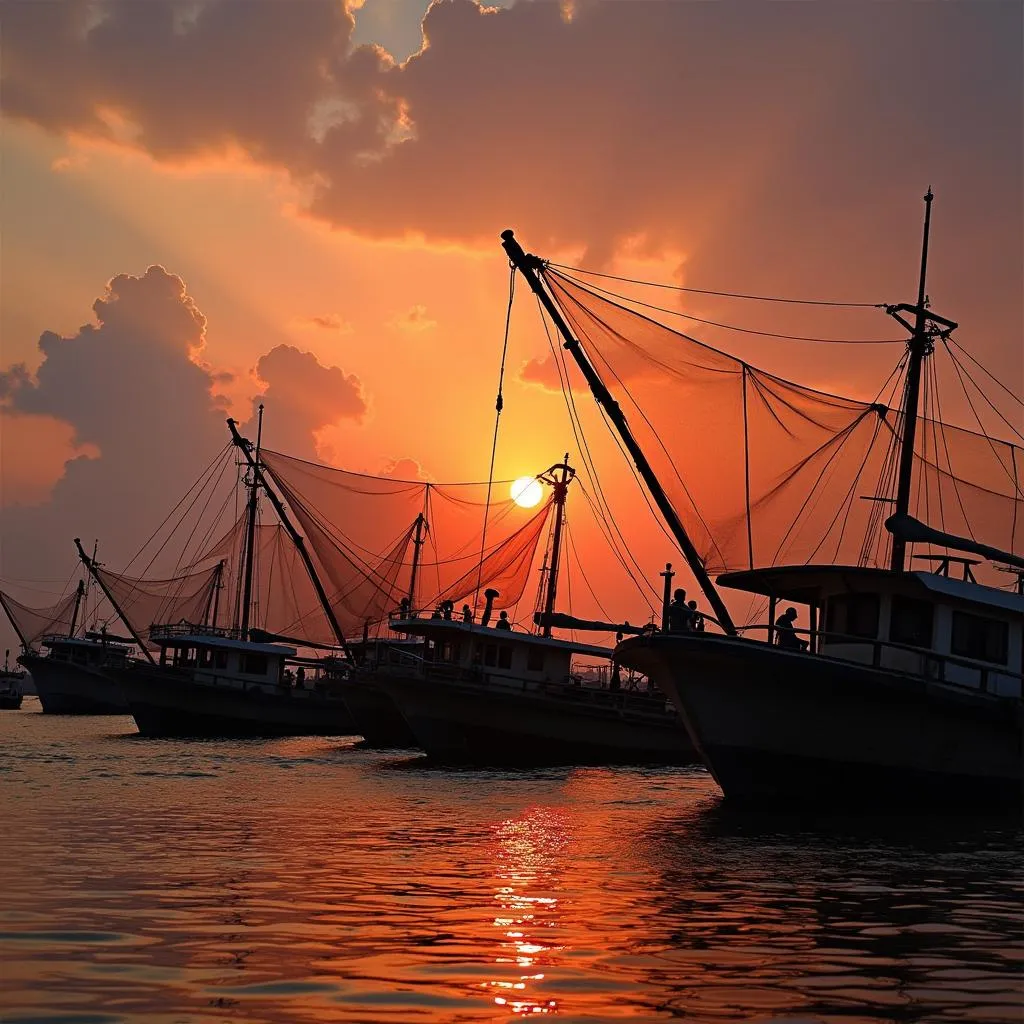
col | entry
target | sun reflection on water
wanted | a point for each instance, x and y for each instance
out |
(529, 852)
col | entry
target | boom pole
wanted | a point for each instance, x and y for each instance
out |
(296, 537)
(529, 265)
(91, 566)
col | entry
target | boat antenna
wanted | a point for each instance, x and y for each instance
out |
(79, 594)
(529, 265)
(260, 477)
(559, 477)
(91, 565)
(920, 345)
(250, 529)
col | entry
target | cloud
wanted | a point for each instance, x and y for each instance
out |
(404, 469)
(668, 121)
(122, 417)
(327, 322)
(301, 397)
(413, 321)
(543, 373)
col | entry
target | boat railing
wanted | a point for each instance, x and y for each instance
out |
(933, 665)
(161, 630)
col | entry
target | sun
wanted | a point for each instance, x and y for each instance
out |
(527, 491)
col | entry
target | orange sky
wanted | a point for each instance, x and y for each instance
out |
(311, 190)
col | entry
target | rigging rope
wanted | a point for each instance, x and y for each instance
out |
(498, 406)
(728, 295)
(732, 327)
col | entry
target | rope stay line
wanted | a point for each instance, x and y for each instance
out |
(730, 327)
(722, 294)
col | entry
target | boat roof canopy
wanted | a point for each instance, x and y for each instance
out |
(223, 642)
(808, 584)
(435, 629)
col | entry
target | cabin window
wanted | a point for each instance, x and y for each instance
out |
(911, 622)
(983, 639)
(255, 664)
(852, 615)
(205, 658)
(504, 656)
(220, 659)
(491, 655)
(535, 659)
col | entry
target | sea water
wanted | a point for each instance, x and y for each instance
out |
(307, 880)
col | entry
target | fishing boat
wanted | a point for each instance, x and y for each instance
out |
(481, 696)
(11, 686)
(69, 670)
(907, 686)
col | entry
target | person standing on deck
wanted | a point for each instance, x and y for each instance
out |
(680, 617)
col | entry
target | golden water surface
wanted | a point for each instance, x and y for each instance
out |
(305, 881)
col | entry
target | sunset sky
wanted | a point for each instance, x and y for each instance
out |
(321, 185)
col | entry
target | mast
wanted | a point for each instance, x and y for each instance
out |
(91, 566)
(250, 531)
(213, 601)
(528, 265)
(920, 345)
(417, 542)
(296, 537)
(560, 483)
(79, 594)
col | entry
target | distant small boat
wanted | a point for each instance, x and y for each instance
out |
(74, 677)
(11, 686)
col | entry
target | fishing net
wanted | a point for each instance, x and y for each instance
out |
(144, 603)
(363, 533)
(32, 624)
(764, 471)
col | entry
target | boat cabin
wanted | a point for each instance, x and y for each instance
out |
(221, 657)
(454, 648)
(926, 624)
(89, 653)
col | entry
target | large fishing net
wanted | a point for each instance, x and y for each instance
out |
(764, 471)
(32, 624)
(365, 535)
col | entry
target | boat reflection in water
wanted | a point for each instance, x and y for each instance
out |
(530, 848)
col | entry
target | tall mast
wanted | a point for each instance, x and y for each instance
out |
(920, 345)
(250, 530)
(90, 564)
(528, 265)
(213, 601)
(296, 537)
(417, 542)
(559, 477)
(79, 594)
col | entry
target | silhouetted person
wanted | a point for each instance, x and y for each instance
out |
(785, 634)
(447, 607)
(696, 619)
(680, 618)
(403, 608)
(503, 622)
(437, 613)
(616, 680)
(467, 613)
(300, 678)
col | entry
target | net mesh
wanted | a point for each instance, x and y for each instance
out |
(764, 471)
(32, 624)
(361, 532)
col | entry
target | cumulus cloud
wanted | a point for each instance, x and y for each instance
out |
(301, 397)
(130, 422)
(413, 321)
(543, 373)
